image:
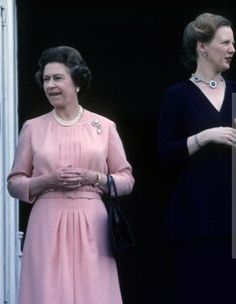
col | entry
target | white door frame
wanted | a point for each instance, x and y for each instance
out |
(9, 240)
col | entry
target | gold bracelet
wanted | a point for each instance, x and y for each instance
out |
(98, 180)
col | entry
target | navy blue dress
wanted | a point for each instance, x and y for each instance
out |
(199, 204)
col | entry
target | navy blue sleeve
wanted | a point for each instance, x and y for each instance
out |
(172, 140)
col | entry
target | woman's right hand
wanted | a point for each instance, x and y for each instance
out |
(66, 178)
(218, 135)
(63, 179)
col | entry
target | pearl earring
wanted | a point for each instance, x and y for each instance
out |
(77, 90)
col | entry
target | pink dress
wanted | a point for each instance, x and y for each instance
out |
(66, 255)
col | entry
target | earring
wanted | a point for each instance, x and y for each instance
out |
(77, 89)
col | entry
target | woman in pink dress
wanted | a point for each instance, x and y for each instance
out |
(61, 164)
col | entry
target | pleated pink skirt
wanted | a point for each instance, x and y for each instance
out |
(66, 256)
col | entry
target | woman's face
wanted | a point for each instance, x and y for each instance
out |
(220, 50)
(58, 85)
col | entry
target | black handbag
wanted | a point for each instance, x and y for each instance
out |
(120, 234)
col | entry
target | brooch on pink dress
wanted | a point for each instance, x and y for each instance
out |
(97, 124)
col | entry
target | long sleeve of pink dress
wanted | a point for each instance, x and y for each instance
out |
(66, 255)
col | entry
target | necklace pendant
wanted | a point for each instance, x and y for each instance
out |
(213, 84)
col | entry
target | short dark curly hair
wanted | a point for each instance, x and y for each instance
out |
(72, 59)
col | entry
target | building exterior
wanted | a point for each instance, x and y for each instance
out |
(10, 237)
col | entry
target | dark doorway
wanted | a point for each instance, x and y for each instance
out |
(133, 53)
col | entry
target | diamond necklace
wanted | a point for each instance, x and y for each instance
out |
(212, 83)
(68, 123)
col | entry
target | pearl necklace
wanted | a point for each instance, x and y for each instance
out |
(212, 83)
(68, 123)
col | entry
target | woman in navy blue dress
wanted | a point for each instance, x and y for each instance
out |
(195, 145)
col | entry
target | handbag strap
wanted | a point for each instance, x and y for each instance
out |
(111, 185)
